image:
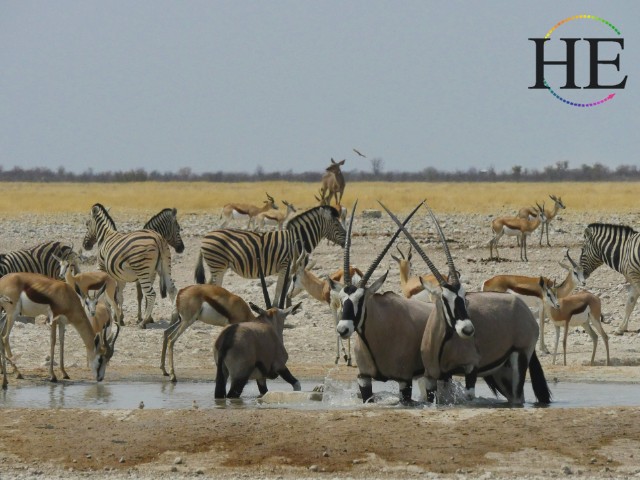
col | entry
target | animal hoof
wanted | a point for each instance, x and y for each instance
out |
(66, 377)
(19, 376)
(618, 332)
(142, 325)
(53, 380)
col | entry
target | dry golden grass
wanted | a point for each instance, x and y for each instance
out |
(197, 197)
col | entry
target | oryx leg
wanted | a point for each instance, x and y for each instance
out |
(262, 386)
(431, 388)
(237, 386)
(366, 390)
(221, 381)
(470, 384)
(406, 390)
(290, 379)
(632, 298)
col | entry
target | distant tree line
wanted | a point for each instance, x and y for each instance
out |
(559, 172)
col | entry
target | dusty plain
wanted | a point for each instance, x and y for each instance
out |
(359, 442)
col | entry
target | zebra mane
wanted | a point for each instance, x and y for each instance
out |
(625, 229)
(312, 211)
(105, 214)
(159, 214)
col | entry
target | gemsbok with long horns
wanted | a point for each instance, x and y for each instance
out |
(489, 335)
(240, 210)
(517, 227)
(303, 279)
(529, 287)
(582, 309)
(254, 350)
(32, 294)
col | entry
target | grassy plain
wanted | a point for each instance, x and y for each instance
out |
(196, 197)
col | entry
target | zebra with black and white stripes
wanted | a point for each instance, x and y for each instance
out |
(131, 257)
(39, 259)
(166, 224)
(617, 246)
(240, 249)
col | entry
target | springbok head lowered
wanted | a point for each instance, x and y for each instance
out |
(450, 293)
(576, 270)
(353, 297)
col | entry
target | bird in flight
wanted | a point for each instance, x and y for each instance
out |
(362, 155)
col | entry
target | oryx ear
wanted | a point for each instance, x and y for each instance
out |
(335, 286)
(375, 286)
(256, 308)
(430, 288)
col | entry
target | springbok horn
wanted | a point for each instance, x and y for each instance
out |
(112, 343)
(400, 252)
(347, 247)
(453, 273)
(263, 282)
(431, 266)
(376, 262)
(570, 259)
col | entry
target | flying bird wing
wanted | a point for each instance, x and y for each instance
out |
(362, 155)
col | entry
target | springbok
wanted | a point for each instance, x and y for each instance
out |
(333, 183)
(529, 287)
(515, 227)
(530, 212)
(411, 286)
(93, 281)
(237, 210)
(254, 350)
(275, 217)
(3, 358)
(211, 304)
(303, 279)
(498, 345)
(582, 309)
(32, 294)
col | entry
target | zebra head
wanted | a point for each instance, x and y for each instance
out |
(603, 243)
(96, 225)
(334, 231)
(166, 224)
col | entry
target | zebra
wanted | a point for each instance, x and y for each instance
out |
(39, 259)
(131, 257)
(240, 249)
(619, 247)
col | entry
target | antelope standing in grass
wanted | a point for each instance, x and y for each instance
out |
(333, 183)
(303, 279)
(276, 217)
(238, 210)
(210, 304)
(412, 286)
(254, 350)
(515, 227)
(498, 345)
(582, 309)
(93, 281)
(530, 287)
(530, 212)
(32, 294)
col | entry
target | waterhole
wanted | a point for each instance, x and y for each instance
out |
(337, 395)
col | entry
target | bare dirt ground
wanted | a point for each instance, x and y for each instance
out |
(369, 441)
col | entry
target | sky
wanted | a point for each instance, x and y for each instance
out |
(287, 85)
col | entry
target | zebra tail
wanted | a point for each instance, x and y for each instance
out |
(538, 382)
(199, 273)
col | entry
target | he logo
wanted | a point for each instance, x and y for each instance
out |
(570, 62)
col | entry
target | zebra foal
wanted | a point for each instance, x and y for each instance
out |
(241, 250)
(131, 257)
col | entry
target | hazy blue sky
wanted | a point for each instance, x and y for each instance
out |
(215, 85)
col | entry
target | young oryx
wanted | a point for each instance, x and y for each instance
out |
(530, 287)
(254, 349)
(238, 210)
(389, 326)
(497, 344)
(303, 279)
(412, 286)
(32, 294)
(580, 309)
(515, 227)
(275, 217)
(210, 304)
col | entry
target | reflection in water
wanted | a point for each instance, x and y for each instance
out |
(337, 395)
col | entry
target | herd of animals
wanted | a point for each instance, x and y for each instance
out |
(432, 331)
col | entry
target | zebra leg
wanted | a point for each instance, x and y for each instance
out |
(150, 298)
(140, 296)
(120, 302)
(631, 303)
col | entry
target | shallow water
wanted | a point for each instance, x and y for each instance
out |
(337, 395)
